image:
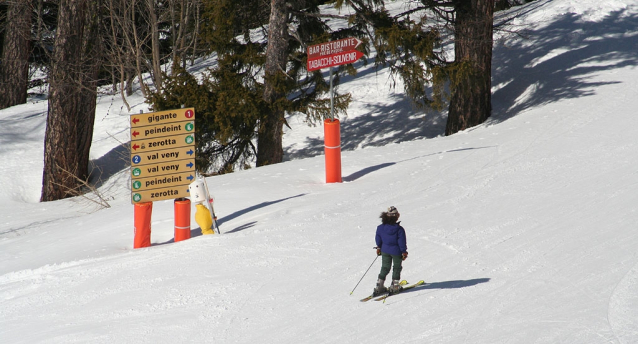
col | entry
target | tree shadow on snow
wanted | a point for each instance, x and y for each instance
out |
(195, 232)
(111, 163)
(249, 209)
(383, 124)
(548, 64)
(559, 61)
(363, 172)
(356, 175)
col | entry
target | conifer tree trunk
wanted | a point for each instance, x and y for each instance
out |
(155, 43)
(269, 141)
(471, 101)
(14, 66)
(72, 99)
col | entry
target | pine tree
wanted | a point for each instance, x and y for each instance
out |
(14, 59)
(471, 102)
(251, 92)
(72, 100)
(410, 44)
(269, 142)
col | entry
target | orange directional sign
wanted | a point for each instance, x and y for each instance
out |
(162, 155)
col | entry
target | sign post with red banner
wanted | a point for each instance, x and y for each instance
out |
(328, 55)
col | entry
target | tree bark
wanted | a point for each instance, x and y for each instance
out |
(471, 101)
(269, 141)
(155, 44)
(72, 99)
(14, 66)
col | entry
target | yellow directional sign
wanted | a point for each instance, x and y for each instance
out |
(149, 145)
(158, 169)
(169, 180)
(170, 129)
(162, 155)
(162, 117)
(160, 194)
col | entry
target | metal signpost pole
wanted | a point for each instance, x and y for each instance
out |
(332, 107)
(328, 55)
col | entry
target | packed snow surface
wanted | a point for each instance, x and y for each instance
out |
(524, 228)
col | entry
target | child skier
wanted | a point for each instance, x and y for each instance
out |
(393, 249)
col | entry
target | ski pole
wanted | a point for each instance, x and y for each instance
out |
(364, 274)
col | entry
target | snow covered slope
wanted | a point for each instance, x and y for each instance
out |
(524, 227)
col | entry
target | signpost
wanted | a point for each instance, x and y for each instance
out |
(162, 155)
(328, 55)
(333, 60)
(332, 47)
(331, 54)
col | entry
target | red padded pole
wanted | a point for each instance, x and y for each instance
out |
(142, 224)
(182, 219)
(332, 148)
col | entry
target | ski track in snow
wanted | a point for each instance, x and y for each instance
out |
(523, 227)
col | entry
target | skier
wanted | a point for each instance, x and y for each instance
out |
(393, 249)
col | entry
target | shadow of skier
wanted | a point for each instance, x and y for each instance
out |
(448, 285)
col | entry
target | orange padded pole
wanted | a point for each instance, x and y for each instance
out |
(332, 148)
(182, 219)
(142, 224)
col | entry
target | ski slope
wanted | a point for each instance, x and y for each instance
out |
(524, 227)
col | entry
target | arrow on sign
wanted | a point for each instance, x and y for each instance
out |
(190, 152)
(135, 133)
(333, 47)
(135, 120)
(135, 146)
(189, 165)
(190, 177)
(338, 59)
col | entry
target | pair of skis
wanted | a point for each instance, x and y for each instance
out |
(386, 295)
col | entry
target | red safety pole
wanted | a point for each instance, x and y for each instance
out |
(332, 147)
(142, 224)
(182, 219)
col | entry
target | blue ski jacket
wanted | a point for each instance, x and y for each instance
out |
(391, 239)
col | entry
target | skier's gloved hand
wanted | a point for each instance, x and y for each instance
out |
(378, 251)
(404, 255)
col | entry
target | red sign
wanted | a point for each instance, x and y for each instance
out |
(334, 60)
(333, 47)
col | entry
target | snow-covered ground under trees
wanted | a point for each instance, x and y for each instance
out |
(525, 227)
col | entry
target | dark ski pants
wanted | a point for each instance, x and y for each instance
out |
(387, 260)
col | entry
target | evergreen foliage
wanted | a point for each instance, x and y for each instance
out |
(410, 44)
(230, 97)
(228, 121)
(227, 110)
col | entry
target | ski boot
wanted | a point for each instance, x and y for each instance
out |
(380, 288)
(395, 287)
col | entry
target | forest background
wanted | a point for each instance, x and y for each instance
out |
(441, 50)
